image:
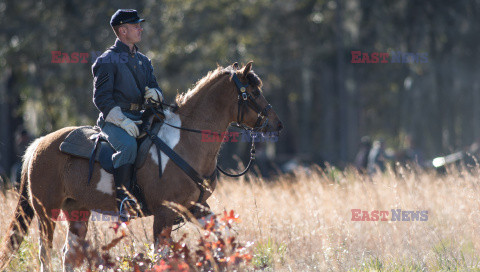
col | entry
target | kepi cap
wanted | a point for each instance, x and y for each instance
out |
(125, 16)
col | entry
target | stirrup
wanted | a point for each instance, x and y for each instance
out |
(123, 215)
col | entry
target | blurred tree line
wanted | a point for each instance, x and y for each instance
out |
(301, 49)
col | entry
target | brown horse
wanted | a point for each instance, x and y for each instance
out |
(52, 180)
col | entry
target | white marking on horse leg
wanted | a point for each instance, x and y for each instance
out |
(69, 251)
(105, 185)
(171, 136)
(41, 252)
(44, 253)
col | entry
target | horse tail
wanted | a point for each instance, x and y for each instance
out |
(23, 213)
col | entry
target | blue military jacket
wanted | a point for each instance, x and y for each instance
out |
(114, 84)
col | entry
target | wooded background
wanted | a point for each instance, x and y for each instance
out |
(300, 48)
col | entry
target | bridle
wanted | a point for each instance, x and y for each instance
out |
(245, 100)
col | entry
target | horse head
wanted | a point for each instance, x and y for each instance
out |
(253, 110)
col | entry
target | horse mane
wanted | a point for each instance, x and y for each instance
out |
(202, 83)
(211, 77)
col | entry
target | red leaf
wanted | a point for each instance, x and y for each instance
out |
(163, 266)
(230, 217)
(247, 257)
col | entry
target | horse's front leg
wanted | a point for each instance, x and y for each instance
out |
(162, 230)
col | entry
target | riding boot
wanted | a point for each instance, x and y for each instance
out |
(123, 178)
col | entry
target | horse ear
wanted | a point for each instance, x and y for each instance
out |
(247, 68)
(235, 65)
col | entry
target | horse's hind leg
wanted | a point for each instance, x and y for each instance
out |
(47, 228)
(46, 212)
(77, 231)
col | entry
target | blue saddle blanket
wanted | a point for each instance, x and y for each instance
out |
(81, 142)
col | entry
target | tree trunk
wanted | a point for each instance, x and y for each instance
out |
(6, 131)
(342, 102)
(306, 111)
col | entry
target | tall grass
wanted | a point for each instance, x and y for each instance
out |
(302, 222)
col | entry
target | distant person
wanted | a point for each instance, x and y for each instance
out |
(377, 157)
(410, 154)
(123, 81)
(361, 159)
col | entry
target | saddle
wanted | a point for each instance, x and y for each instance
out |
(82, 142)
(89, 143)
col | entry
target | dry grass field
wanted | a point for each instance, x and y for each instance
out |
(303, 222)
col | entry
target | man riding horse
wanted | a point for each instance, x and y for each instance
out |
(123, 80)
(179, 169)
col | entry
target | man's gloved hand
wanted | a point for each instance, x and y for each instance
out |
(116, 117)
(131, 127)
(154, 94)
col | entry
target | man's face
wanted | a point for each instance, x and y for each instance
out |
(133, 32)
